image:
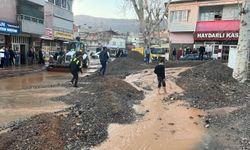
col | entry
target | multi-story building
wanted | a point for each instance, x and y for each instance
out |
(58, 24)
(211, 23)
(21, 25)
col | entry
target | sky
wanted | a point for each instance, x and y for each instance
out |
(101, 8)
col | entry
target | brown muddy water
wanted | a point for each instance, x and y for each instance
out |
(164, 126)
(16, 102)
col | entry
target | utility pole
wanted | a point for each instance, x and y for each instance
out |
(241, 68)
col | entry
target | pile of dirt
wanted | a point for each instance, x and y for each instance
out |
(97, 102)
(40, 132)
(211, 85)
(175, 64)
(127, 65)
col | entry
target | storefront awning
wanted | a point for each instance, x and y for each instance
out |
(223, 30)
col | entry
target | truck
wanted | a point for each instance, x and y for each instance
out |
(159, 52)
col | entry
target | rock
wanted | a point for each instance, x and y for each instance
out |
(207, 126)
(171, 124)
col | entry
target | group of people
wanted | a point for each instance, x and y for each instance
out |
(7, 57)
(201, 51)
(76, 65)
(32, 56)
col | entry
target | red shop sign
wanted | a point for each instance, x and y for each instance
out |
(217, 36)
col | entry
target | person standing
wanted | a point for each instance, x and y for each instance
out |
(31, 56)
(174, 54)
(40, 55)
(201, 52)
(75, 67)
(12, 56)
(6, 57)
(104, 57)
(2, 57)
(147, 52)
(160, 72)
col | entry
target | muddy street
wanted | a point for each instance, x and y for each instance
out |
(163, 125)
(123, 110)
(29, 95)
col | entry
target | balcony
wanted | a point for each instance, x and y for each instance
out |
(31, 25)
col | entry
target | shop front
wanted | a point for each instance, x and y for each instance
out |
(218, 37)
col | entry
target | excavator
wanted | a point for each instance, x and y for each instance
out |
(60, 60)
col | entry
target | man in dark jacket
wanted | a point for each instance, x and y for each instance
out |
(12, 56)
(201, 52)
(160, 72)
(104, 57)
(75, 67)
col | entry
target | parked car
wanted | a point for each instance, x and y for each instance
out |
(194, 57)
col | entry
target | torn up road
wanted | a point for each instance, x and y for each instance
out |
(101, 101)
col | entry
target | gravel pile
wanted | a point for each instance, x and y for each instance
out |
(97, 102)
(211, 85)
(127, 65)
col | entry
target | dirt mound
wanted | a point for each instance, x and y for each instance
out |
(174, 64)
(126, 65)
(98, 102)
(211, 85)
(40, 132)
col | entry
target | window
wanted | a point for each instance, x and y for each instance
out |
(64, 3)
(179, 16)
(59, 3)
(211, 16)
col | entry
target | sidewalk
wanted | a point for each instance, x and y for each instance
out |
(14, 71)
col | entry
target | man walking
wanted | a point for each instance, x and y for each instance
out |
(160, 72)
(104, 56)
(6, 57)
(148, 51)
(75, 67)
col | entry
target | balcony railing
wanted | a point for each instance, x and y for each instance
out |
(29, 18)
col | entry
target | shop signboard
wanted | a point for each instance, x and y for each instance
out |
(48, 34)
(217, 36)
(63, 35)
(9, 28)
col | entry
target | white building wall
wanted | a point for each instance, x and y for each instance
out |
(231, 12)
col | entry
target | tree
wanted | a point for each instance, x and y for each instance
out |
(150, 14)
(241, 69)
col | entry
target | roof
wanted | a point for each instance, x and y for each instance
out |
(220, 25)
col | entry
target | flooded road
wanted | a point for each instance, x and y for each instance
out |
(18, 102)
(163, 127)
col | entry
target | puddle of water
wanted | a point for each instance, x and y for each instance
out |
(25, 103)
(172, 127)
(17, 83)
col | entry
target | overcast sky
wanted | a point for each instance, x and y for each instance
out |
(101, 8)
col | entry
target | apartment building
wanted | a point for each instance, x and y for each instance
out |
(21, 25)
(211, 23)
(58, 24)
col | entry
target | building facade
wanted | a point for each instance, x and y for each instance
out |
(21, 25)
(58, 24)
(211, 23)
